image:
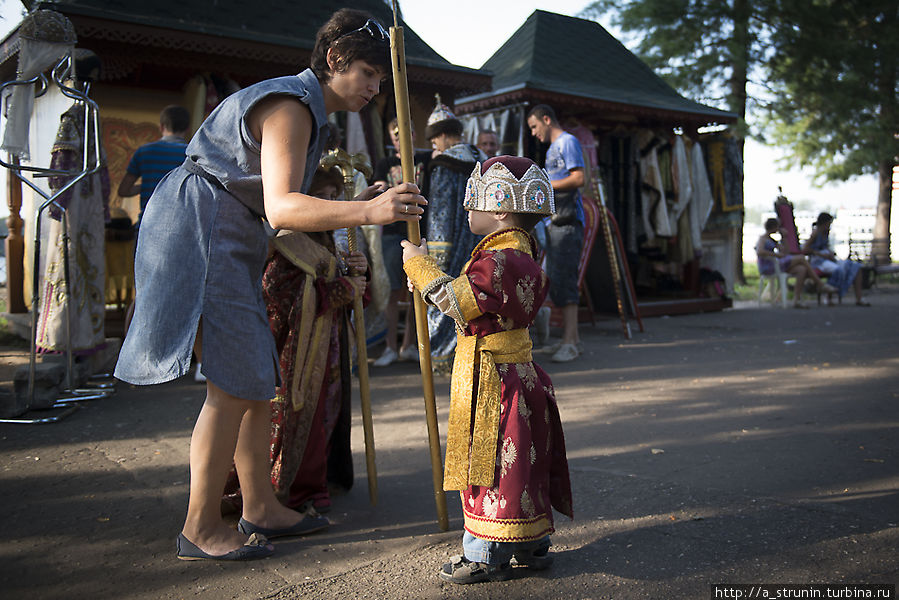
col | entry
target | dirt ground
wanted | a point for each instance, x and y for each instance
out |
(755, 445)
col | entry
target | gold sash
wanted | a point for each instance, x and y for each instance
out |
(314, 332)
(478, 466)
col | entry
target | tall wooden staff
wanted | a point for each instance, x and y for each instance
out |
(611, 251)
(407, 160)
(348, 166)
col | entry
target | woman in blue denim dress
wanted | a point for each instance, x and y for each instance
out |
(200, 257)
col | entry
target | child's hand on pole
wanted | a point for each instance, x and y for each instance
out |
(356, 263)
(370, 192)
(410, 250)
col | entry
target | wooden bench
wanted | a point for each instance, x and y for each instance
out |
(862, 250)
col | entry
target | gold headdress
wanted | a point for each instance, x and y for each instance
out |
(499, 190)
(442, 120)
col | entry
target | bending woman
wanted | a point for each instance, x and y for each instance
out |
(200, 258)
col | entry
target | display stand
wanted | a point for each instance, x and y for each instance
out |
(91, 163)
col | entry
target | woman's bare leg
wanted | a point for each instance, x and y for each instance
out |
(799, 271)
(251, 457)
(211, 450)
(810, 272)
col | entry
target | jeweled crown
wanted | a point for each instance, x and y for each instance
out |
(440, 113)
(498, 190)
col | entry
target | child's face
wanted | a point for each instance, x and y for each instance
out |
(481, 222)
(441, 143)
(328, 192)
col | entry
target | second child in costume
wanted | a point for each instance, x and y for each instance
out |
(308, 296)
(447, 229)
(505, 449)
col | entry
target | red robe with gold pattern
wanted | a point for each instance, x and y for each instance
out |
(508, 456)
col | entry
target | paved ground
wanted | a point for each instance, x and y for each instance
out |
(753, 445)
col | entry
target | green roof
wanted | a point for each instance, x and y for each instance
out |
(280, 22)
(567, 55)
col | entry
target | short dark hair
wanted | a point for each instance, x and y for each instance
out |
(771, 224)
(349, 45)
(335, 137)
(527, 221)
(543, 110)
(451, 127)
(175, 118)
(824, 219)
(393, 125)
(324, 177)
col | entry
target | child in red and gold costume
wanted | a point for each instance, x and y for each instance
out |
(505, 449)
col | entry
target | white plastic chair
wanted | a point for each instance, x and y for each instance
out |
(778, 283)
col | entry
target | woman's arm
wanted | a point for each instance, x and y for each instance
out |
(807, 246)
(284, 127)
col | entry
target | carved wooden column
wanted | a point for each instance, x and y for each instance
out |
(15, 244)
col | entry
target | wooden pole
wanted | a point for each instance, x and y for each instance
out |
(15, 243)
(407, 160)
(611, 251)
(348, 166)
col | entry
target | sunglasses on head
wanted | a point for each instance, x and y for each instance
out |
(373, 28)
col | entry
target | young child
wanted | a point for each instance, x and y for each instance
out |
(308, 296)
(505, 449)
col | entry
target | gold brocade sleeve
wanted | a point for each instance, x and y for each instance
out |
(468, 305)
(424, 274)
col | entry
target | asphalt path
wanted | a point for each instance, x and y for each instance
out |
(754, 445)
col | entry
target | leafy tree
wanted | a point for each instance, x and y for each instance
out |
(707, 49)
(834, 70)
(823, 72)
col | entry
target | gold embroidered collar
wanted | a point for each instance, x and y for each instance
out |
(514, 237)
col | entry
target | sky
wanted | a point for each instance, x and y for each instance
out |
(468, 32)
(471, 31)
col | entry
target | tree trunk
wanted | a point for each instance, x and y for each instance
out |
(740, 63)
(880, 249)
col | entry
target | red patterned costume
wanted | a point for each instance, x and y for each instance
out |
(307, 302)
(505, 446)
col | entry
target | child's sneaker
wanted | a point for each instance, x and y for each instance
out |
(537, 560)
(462, 570)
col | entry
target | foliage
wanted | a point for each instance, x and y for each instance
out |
(707, 49)
(750, 289)
(834, 74)
(823, 72)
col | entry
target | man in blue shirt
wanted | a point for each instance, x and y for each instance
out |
(151, 162)
(565, 231)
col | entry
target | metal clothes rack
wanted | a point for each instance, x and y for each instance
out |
(91, 163)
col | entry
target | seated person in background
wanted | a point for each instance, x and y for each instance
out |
(842, 273)
(769, 250)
